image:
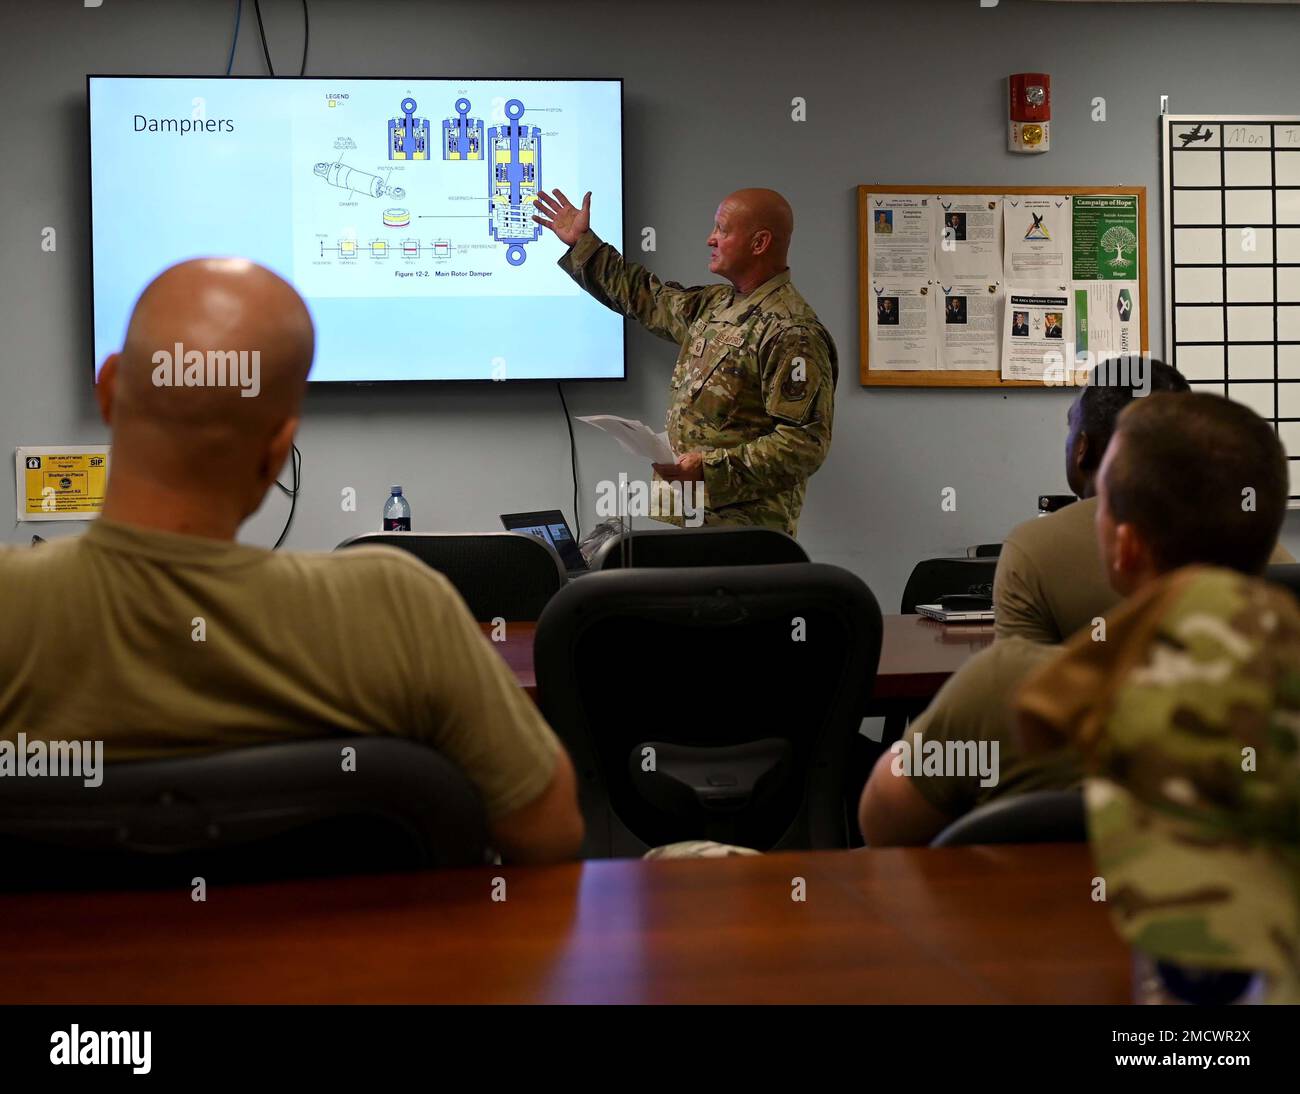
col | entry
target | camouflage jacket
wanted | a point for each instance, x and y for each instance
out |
(1188, 715)
(754, 386)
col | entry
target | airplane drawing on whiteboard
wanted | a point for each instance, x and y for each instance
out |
(1200, 133)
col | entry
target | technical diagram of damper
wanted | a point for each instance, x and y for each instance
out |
(516, 176)
(359, 182)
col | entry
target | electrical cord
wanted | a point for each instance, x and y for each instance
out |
(266, 52)
(295, 462)
(261, 30)
(296, 458)
(573, 460)
(306, 38)
(239, 10)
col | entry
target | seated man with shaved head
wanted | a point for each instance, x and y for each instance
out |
(185, 640)
(753, 393)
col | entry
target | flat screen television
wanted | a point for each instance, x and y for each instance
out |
(401, 210)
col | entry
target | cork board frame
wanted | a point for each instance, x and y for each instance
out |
(870, 377)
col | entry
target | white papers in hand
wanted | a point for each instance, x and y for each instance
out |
(636, 438)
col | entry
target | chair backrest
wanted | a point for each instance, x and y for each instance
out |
(505, 575)
(713, 546)
(936, 577)
(984, 550)
(715, 703)
(245, 814)
(1040, 816)
(1286, 574)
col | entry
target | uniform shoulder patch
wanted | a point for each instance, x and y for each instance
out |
(793, 387)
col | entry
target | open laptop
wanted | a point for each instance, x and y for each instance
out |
(549, 526)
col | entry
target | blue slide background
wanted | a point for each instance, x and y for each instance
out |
(158, 198)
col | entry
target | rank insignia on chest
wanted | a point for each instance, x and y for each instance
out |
(697, 347)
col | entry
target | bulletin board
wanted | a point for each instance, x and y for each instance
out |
(1232, 263)
(873, 246)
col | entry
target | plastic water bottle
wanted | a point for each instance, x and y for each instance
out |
(397, 512)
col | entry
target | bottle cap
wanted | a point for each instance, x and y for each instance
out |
(394, 489)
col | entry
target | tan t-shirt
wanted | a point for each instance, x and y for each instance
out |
(161, 644)
(975, 705)
(1050, 579)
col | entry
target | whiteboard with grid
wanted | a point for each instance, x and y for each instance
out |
(1232, 263)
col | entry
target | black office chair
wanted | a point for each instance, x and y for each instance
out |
(714, 703)
(935, 577)
(713, 546)
(1041, 816)
(247, 814)
(505, 575)
(984, 550)
(1286, 574)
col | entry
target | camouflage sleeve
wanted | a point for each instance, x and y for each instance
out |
(1221, 676)
(1194, 816)
(798, 377)
(662, 307)
(1191, 669)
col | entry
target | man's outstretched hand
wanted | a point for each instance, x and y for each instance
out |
(562, 217)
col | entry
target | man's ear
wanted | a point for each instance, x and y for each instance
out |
(277, 452)
(1132, 558)
(1086, 460)
(1121, 549)
(762, 241)
(106, 388)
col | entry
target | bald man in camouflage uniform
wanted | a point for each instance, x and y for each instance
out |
(753, 392)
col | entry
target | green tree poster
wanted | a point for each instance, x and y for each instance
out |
(1105, 237)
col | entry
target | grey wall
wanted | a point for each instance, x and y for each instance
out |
(901, 92)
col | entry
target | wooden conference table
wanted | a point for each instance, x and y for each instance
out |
(916, 656)
(970, 924)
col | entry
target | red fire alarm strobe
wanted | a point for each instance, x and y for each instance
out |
(1030, 99)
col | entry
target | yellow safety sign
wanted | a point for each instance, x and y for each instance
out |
(60, 482)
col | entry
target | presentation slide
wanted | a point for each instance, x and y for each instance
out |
(400, 209)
